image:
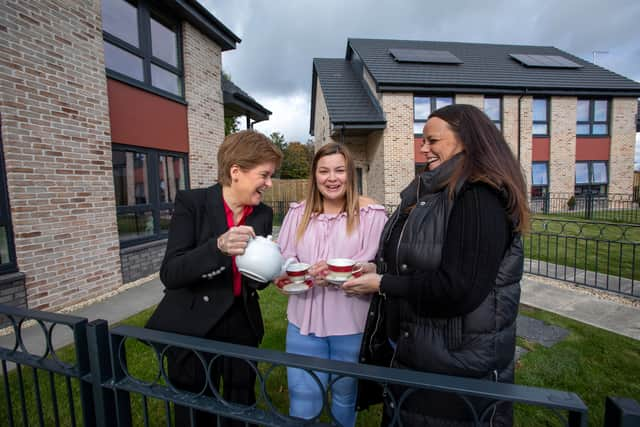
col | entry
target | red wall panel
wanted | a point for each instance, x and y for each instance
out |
(419, 157)
(143, 119)
(540, 149)
(593, 148)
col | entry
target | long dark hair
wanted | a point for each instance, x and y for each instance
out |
(487, 158)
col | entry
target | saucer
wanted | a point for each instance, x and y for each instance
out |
(337, 280)
(294, 288)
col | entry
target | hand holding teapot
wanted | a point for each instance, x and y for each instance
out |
(235, 240)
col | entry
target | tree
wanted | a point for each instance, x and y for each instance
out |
(296, 162)
(278, 140)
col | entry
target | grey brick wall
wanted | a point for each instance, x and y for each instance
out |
(142, 260)
(12, 292)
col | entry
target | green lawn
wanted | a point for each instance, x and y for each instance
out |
(591, 362)
(592, 246)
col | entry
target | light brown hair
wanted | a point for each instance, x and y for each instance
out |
(314, 199)
(487, 158)
(247, 149)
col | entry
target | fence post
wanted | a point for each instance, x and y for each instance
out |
(621, 412)
(589, 205)
(123, 402)
(98, 340)
(82, 358)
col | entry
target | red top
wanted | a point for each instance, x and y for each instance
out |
(237, 284)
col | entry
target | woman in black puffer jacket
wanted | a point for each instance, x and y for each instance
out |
(448, 271)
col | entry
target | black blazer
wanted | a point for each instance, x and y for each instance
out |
(196, 296)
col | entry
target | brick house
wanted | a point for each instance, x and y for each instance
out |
(107, 108)
(570, 123)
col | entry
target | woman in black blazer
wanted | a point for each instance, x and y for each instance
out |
(205, 295)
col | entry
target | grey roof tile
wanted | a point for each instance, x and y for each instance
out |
(486, 66)
(348, 101)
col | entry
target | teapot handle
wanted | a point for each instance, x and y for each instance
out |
(286, 264)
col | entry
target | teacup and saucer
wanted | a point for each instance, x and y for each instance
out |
(341, 270)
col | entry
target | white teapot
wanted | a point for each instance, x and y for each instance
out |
(261, 260)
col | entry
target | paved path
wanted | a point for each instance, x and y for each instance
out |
(582, 305)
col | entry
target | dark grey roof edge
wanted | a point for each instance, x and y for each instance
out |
(350, 49)
(515, 90)
(202, 19)
(448, 42)
(314, 77)
(234, 95)
(375, 123)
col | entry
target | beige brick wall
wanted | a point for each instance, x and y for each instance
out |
(56, 140)
(205, 114)
(399, 161)
(623, 140)
(471, 99)
(562, 154)
(375, 177)
(321, 124)
(510, 122)
(510, 130)
(526, 138)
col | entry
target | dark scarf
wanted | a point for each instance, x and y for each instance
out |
(430, 181)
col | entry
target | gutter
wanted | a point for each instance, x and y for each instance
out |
(520, 121)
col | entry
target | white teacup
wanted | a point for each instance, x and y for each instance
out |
(343, 268)
(297, 271)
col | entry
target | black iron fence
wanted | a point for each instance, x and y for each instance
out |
(564, 246)
(100, 387)
(600, 207)
(597, 254)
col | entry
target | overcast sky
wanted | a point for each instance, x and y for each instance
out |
(280, 38)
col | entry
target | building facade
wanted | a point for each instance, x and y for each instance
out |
(570, 123)
(107, 109)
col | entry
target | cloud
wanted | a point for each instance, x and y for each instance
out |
(280, 38)
(293, 110)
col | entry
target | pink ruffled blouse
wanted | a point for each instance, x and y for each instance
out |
(326, 311)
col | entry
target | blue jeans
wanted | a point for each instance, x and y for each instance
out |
(305, 396)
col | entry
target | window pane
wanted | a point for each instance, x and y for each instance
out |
(600, 111)
(540, 129)
(165, 80)
(540, 110)
(583, 110)
(443, 102)
(162, 179)
(175, 174)
(582, 129)
(539, 174)
(492, 108)
(164, 43)
(421, 108)
(130, 178)
(135, 224)
(600, 129)
(4, 246)
(418, 127)
(582, 173)
(120, 19)
(123, 62)
(599, 170)
(498, 125)
(165, 220)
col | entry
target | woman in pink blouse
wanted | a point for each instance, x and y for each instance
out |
(333, 222)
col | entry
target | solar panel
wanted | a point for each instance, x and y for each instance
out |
(544, 61)
(424, 56)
